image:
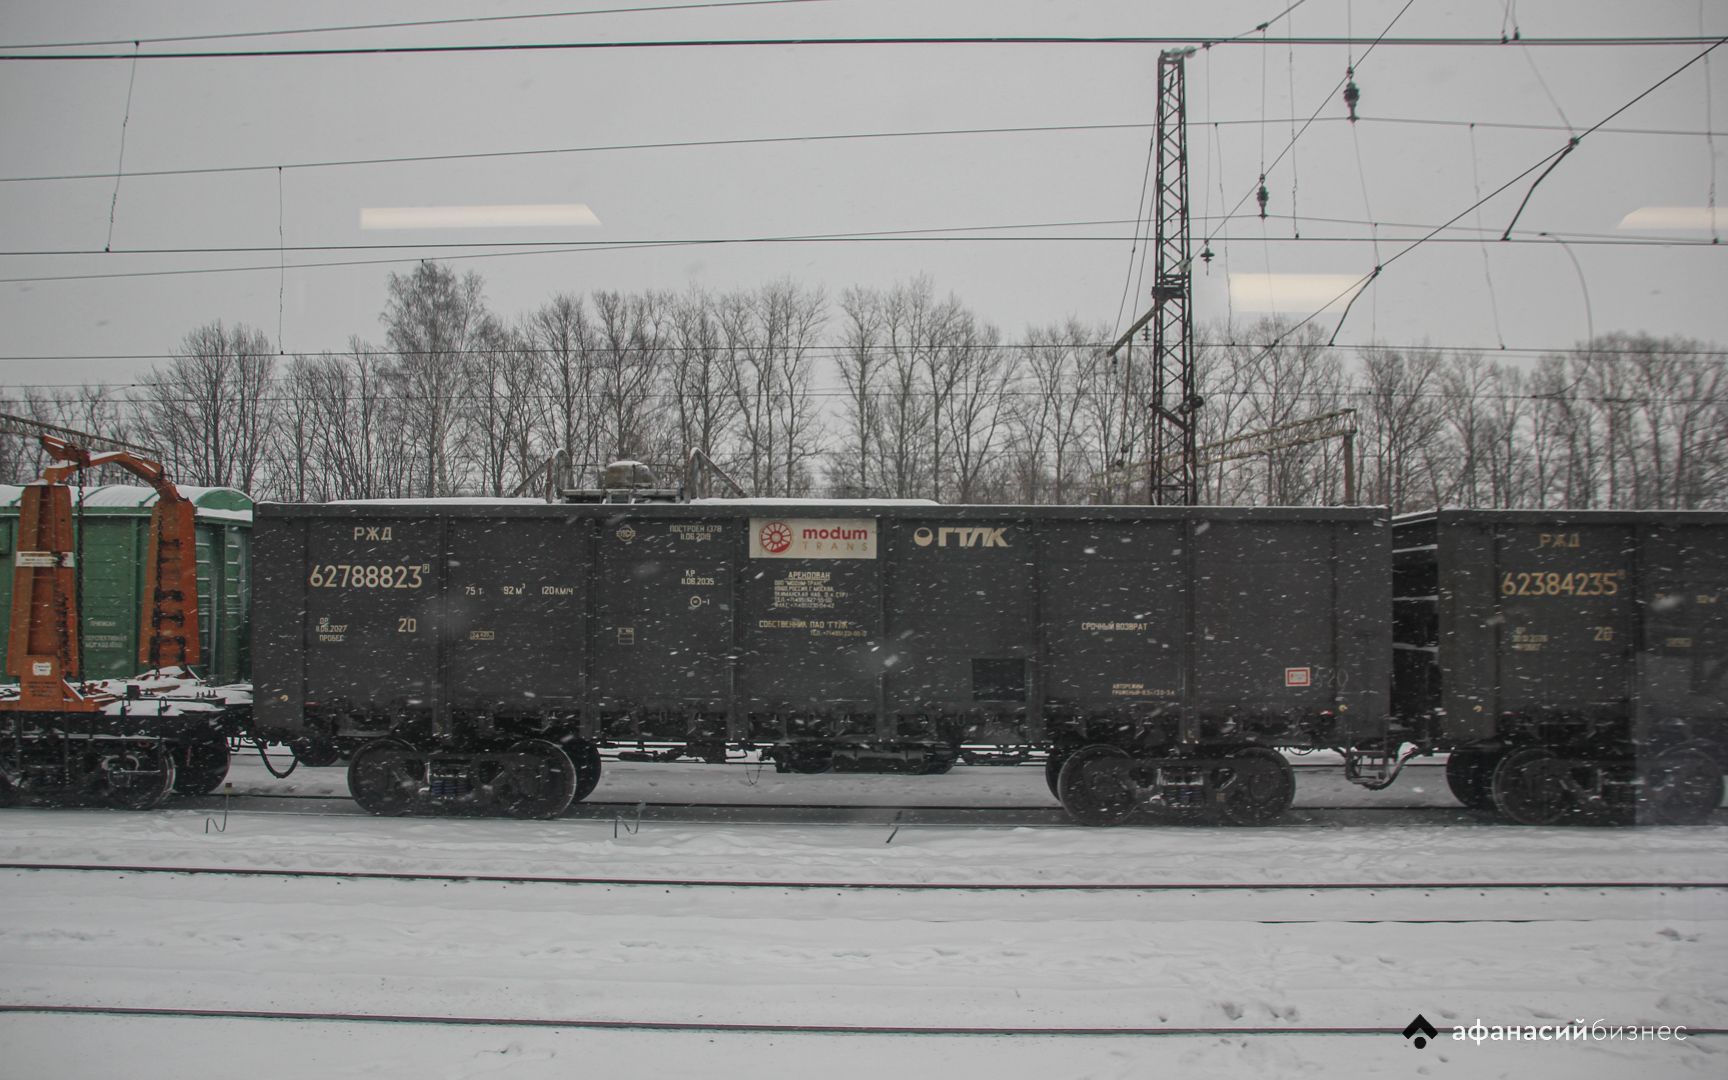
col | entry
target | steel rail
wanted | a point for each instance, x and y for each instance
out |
(878, 886)
(735, 1029)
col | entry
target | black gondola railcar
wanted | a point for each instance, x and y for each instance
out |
(475, 654)
(1571, 660)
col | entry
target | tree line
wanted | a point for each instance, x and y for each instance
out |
(893, 393)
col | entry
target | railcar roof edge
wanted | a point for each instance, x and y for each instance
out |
(409, 508)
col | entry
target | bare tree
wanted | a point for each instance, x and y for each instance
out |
(564, 346)
(1401, 427)
(498, 409)
(1049, 455)
(980, 377)
(699, 385)
(859, 365)
(434, 321)
(768, 336)
(629, 354)
(211, 409)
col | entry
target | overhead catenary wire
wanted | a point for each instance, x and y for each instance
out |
(412, 159)
(120, 162)
(1135, 277)
(553, 247)
(1290, 71)
(1589, 314)
(842, 350)
(1548, 161)
(896, 237)
(1615, 41)
(1487, 271)
(416, 23)
(1309, 122)
(281, 262)
(1573, 143)
(1141, 210)
(1340, 396)
(1709, 139)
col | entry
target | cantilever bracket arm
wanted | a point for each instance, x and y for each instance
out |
(77, 458)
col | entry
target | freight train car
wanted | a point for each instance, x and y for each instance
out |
(475, 654)
(1574, 662)
(115, 519)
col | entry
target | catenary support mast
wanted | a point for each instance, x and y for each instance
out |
(1173, 476)
(1172, 464)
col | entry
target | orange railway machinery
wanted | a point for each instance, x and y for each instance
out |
(85, 739)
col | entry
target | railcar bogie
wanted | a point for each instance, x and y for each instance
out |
(71, 768)
(1105, 784)
(531, 778)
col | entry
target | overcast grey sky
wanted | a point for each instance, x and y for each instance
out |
(64, 117)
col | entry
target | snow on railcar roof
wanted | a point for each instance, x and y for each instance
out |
(210, 503)
(443, 500)
(769, 501)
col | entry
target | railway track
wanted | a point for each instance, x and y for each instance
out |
(750, 1029)
(707, 926)
(703, 812)
(890, 886)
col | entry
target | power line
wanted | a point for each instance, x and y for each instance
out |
(1550, 160)
(769, 140)
(842, 350)
(708, 43)
(405, 25)
(679, 144)
(896, 237)
(1341, 396)
(1306, 124)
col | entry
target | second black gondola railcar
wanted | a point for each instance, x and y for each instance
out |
(1571, 660)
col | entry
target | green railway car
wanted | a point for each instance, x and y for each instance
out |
(115, 521)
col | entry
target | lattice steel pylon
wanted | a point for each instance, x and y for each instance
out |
(1173, 473)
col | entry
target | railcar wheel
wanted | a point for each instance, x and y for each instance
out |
(1681, 787)
(1095, 787)
(587, 761)
(137, 776)
(1053, 772)
(1261, 790)
(540, 786)
(385, 777)
(200, 766)
(1470, 775)
(1530, 786)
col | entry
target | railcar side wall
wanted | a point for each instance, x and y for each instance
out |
(728, 623)
(1509, 618)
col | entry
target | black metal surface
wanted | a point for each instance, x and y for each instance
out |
(1602, 620)
(889, 624)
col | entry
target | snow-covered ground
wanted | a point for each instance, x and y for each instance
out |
(1290, 960)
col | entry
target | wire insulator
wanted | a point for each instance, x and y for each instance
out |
(1263, 196)
(1351, 94)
